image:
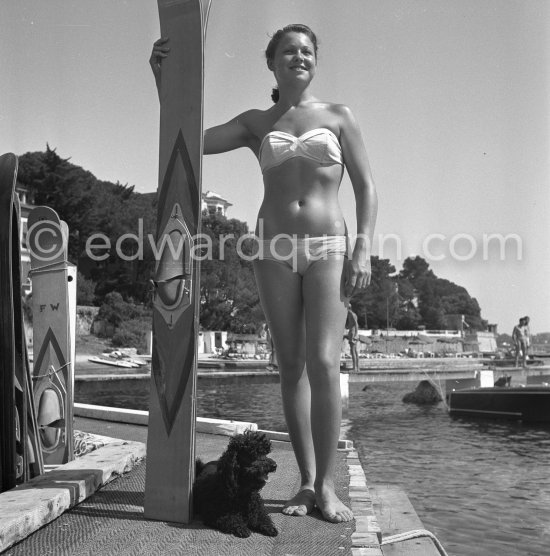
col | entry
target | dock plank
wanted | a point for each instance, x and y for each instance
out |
(416, 375)
(395, 514)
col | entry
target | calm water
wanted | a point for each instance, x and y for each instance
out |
(483, 487)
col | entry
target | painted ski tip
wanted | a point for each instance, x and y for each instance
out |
(8, 159)
(9, 164)
(205, 13)
(44, 213)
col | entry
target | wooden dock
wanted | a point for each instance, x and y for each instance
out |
(450, 372)
(395, 514)
(442, 372)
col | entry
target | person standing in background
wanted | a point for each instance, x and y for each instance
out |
(518, 337)
(527, 337)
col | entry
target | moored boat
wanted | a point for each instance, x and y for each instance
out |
(511, 362)
(120, 356)
(113, 362)
(526, 403)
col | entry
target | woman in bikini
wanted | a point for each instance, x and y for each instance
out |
(305, 271)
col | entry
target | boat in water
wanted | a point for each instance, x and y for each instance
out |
(121, 356)
(113, 362)
(529, 403)
(511, 362)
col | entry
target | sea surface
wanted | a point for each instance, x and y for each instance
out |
(482, 487)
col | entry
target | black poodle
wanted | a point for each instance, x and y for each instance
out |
(227, 491)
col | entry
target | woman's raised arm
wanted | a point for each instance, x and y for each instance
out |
(227, 137)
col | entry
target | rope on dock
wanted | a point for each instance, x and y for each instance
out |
(415, 534)
(85, 442)
(51, 373)
(60, 265)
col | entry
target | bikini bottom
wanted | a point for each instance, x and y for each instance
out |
(299, 253)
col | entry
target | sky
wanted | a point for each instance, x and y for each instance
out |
(452, 97)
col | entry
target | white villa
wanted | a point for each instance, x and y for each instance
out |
(214, 203)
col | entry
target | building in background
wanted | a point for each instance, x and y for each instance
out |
(26, 204)
(214, 203)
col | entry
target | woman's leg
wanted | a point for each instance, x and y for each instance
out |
(280, 292)
(325, 317)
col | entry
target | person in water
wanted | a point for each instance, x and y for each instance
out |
(305, 270)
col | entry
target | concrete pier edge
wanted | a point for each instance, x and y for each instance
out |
(28, 507)
(367, 536)
(204, 425)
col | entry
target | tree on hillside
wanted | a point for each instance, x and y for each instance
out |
(229, 297)
(129, 222)
(372, 304)
(438, 297)
(408, 317)
(90, 206)
(85, 290)
(416, 270)
(69, 190)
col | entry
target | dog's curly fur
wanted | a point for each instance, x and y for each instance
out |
(227, 491)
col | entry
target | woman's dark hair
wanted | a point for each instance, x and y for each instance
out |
(276, 39)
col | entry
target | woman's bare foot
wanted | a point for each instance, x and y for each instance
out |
(332, 508)
(301, 504)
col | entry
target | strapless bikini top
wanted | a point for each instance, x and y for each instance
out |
(320, 145)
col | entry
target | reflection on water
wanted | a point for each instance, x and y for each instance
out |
(239, 401)
(257, 403)
(483, 487)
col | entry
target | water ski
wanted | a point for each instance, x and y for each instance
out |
(20, 456)
(54, 307)
(171, 437)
